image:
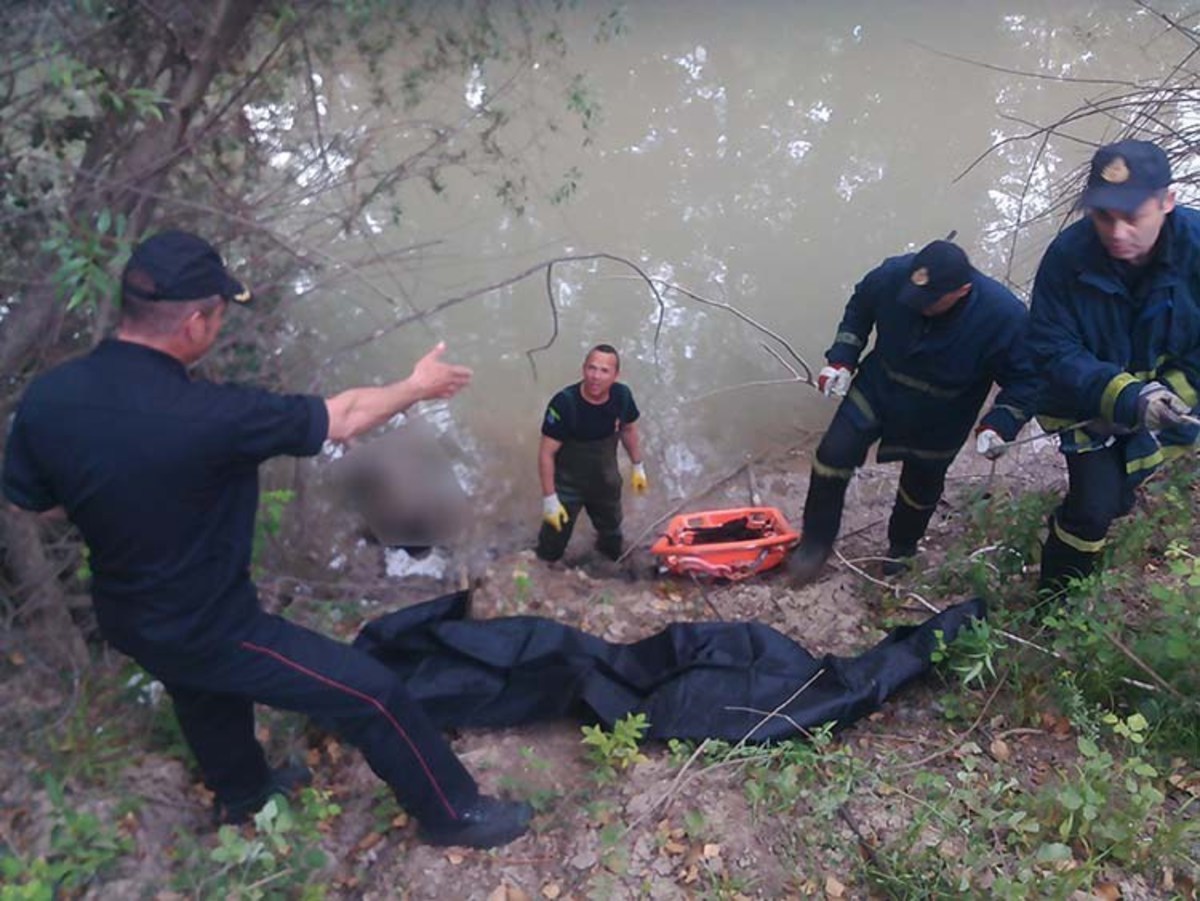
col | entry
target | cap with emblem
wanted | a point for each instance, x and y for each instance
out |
(1125, 175)
(939, 268)
(177, 265)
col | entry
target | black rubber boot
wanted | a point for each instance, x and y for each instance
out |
(899, 559)
(822, 518)
(905, 528)
(285, 780)
(806, 561)
(488, 823)
(1060, 564)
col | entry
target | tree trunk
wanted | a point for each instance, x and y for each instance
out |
(42, 606)
(131, 184)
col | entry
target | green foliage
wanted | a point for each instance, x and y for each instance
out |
(996, 542)
(814, 771)
(978, 831)
(82, 848)
(1156, 651)
(971, 656)
(277, 857)
(541, 797)
(271, 505)
(619, 749)
(1110, 805)
(522, 586)
(1164, 518)
(92, 741)
(86, 257)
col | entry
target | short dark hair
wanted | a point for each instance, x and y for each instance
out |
(154, 318)
(604, 349)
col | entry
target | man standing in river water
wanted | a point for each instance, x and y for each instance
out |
(944, 332)
(577, 456)
(159, 471)
(1115, 332)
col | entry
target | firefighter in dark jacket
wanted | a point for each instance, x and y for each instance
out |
(159, 471)
(944, 333)
(1115, 333)
(577, 456)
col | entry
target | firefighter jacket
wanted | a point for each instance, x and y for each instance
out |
(926, 377)
(1101, 329)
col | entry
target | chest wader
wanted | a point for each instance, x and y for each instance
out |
(586, 477)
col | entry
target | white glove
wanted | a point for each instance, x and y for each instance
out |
(1159, 407)
(554, 514)
(834, 381)
(989, 444)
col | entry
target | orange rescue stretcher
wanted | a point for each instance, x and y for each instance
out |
(725, 544)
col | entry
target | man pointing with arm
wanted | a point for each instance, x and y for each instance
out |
(159, 471)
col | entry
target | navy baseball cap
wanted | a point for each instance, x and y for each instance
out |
(177, 265)
(939, 268)
(1125, 175)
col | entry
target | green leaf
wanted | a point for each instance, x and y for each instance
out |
(1053, 852)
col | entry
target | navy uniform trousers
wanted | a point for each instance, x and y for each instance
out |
(842, 450)
(1099, 491)
(280, 664)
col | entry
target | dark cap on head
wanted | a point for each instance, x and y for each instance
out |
(939, 268)
(177, 265)
(1125, 175)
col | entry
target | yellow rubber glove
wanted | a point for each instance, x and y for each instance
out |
(637, 478)
(554, 514)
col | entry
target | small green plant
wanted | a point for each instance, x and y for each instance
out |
(619, 749)
(971, 656)
(271, 505)
(522, 585)
(542, 798)
(82, 847)
(813, 770)
(1110, 805)
(277, 857)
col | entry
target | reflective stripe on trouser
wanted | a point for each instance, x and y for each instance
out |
(841, 451)
(917, 496)
(1062, 562)
(283, 665)
(586, 477)
(1098, 492)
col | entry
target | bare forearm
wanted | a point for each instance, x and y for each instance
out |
(632, 443)
(546, 452)
(358, 410)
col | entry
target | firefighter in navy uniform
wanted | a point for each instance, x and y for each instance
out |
(577, 456)
(944, 333)
(159, 471)
(1115, 333)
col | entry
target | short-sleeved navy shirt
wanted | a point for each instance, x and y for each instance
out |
(571, 418)
(160, 474)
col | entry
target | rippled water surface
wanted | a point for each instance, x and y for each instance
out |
(762, 155)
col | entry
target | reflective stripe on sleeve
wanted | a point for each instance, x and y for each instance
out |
(1108, 400)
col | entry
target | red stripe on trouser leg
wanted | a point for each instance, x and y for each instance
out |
(387, 714)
